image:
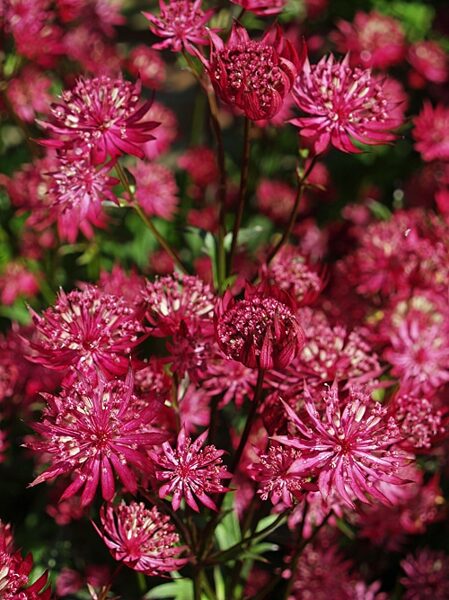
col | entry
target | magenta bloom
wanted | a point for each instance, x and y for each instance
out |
(15, 574)
(277, 481)
(86, 329)
(429, 60)
(342, 105)
(104, 116)
(260, 331)
(254, 76)
(262, 7)
(142, 538)
(29, 94)
(181, 24)
(147, 65)
(78, 190)
(156, 190)
(426, 575)
(431, 132)
(348, 445)
(372, 39)
(93, 430)
(190, 471)
(175, 298)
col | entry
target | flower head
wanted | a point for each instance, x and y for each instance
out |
(426, 575)
(86, 329)
(429, 60)
(103, 115)
(374, 40)
(431, 132)
(254, 76)
(260, 331)
(262, 7)
(142, 538)
(148, 66)
(349, 445)
(342, 104)
(190, 471)
(156, 190)
(77, 190)
(93, 429)
(181, 24)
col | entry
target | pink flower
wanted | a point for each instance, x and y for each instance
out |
(342, 105)
(349, 445)
(431, 132)
(275, 199)
(28, 93)
(142, 538)
(292, 272)
(166, 132)
(103, 116)
(190, 471)
(420, 419)
(147, 65)
(201, 164)
(156, 190)
(262, 7)
(373, 40)
(78, 190)
(181, 24)
(16, 281)
(86, 329)
(429, 60)
(175, 298)
(229, 379)
(276, 480)
(260, 331)
(254, 76)
(426, 575)
(93, 430)
(91, 49)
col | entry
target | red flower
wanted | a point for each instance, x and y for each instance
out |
(156, 190)
(142, 538)
(431, 132)
(262, 7)
(190, 471)
(430, 61)
(181, 23)
(260, 331)
(426, 575)
(254, 76)
(342, 105)
(93, 429)
(102, 115)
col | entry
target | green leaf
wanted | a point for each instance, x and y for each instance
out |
(380, 211)
(228, 531)
(179, 589)
(415, 17)
(220, 587)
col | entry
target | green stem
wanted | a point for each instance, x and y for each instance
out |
(242, 191)
(160, 238)
(302, 181)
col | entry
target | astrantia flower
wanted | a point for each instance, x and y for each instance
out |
(78, 190)
(166, 132)
(349, 445)
(420, 419)
(15, 281)
(86, 329)
(276, 481)
(275, 199)
(229, 379)
(181, 23)
(28, 93)
(262, 7)
(104, 116)
(342, 105)
(254, 76)
(93, 430)
(156, 190)
(142, 538)
(430, 61)
(431, 132)
(190, 471)
(426, 575)
(175, 298)
(15, 578)
(373, 40)
(260, 331)
(148, 66)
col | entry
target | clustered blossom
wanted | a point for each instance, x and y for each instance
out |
(156, 190)
(260, 331)
(93, 430)
(429, 60)
(421, 420)
(103, 116)
(190, 471)
(342, 105)
(431, 132)
(181, 24)
(142, 538)
(148, 66)
(426, 575)
(350, 446)
(86, 329)
(254, 76)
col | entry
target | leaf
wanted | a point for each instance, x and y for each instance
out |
(179, 589)
(220, 587)
(228, 531)
(380, 211)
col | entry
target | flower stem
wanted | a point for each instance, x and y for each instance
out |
(302, 181)
(242, 191)
(148, 222)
